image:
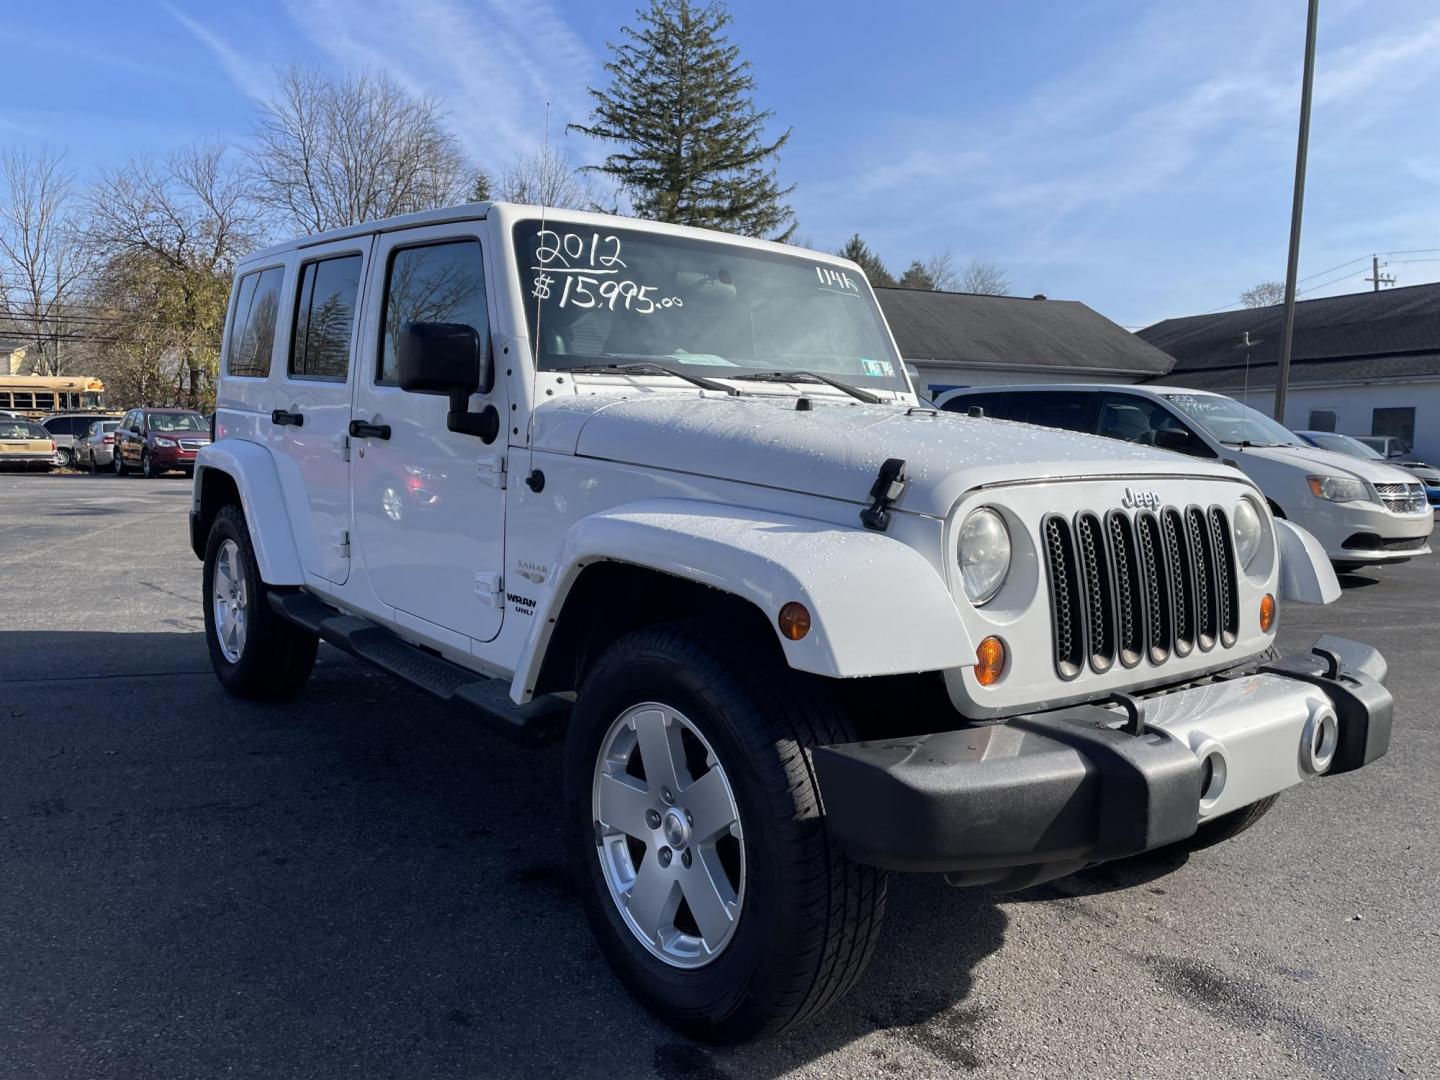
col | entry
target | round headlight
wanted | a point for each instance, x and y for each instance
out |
(984, 554)
(1249, 530)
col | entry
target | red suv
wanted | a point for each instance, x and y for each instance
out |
(159, 440)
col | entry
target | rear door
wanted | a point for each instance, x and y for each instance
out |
(429, 502)
(310, 416)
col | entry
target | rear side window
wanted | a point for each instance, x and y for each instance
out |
(325, 319)
(437, 283)
(252, 331)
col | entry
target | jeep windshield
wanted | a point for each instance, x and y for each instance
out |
(1228, 421)
(597, 297)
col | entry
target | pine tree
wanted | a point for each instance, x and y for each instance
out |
(691, 146)
(917, 276)
(858, 252)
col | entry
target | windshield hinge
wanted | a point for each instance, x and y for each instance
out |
(888, 487)
(342, 446)
(340, 541)
(491, 468)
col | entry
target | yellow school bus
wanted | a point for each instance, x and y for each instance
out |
(34, 396)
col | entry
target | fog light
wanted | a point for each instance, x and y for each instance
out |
(989, 661)
(1267, 613)
(794, 620)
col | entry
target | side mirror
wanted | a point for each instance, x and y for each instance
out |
(450, 359)
(1182, 442)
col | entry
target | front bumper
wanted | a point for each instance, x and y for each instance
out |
(1038, 796)
(173, 457)
(1364, 532)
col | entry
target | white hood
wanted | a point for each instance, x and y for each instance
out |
(835, 450)
(1328, 463)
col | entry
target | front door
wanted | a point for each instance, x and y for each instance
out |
(429, 502)
(311, 415)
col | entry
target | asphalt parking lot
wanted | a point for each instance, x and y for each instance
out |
(359, 883)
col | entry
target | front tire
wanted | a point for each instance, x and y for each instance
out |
(725, 929)
(119, 463)
(147, 466)
(255, 653)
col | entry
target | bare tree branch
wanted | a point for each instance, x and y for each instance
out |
(985, 278)
(329, 153)
(43, 260)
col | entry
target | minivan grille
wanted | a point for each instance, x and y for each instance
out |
(1145, 585)
(1402, 498)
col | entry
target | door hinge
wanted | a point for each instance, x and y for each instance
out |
(488, 588)
(491, 468)
(340, 540)
(342, 446)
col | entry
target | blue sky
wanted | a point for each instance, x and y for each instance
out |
(1135, 156)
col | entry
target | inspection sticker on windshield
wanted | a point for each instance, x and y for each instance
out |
(878, 368)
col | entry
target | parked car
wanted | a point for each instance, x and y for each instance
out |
(24, 444)
(1390, 447)
(1356, 447)
(155, 441)
(96, 450)
(682, 508)
(1362, 512)
(67, 429)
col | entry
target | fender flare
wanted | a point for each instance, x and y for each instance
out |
(1306, 574)
(877, 606)
(253, 471)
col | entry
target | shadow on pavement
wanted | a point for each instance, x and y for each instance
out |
(353, 882)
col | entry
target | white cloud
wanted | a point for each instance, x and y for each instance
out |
(251, 77)
(495, 63)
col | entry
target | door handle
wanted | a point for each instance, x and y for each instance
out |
(359, 429)
(291, 419)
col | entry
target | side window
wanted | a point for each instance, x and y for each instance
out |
(325, 319)
(252, 331)
(443, 283)
(1065, 410)
(988, 402)
(1322, 420)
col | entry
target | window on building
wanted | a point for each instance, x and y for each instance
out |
(1399, 422)
(325, 319)
(1321, 420)
(436, 283)
(252, 330)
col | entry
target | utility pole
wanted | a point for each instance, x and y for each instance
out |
(1302, 145)
(1375, 275)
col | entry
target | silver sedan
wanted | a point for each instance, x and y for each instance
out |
(96, 449)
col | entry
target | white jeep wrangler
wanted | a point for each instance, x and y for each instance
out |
(671, 494)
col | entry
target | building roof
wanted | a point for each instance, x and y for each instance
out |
(1014, 333)
(1356, 337)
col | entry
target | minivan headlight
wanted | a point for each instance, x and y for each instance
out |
(984, 554)
(1337, 488)
(1248, 528)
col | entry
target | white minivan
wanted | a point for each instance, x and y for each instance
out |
(1362, 512)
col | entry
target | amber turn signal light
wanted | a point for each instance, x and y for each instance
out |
(1267, 612)
(794, 620)
(989, 661)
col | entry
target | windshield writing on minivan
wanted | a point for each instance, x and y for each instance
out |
(1228, 421)
(600, 295)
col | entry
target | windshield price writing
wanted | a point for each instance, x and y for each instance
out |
(584, 272)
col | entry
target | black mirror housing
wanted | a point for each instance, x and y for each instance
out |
(450, 359)
(443, 358)
(1179, 441)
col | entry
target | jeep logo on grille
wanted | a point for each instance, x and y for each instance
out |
(1140, 500)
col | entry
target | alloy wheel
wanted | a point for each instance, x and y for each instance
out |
(668, 835)
(230, 600)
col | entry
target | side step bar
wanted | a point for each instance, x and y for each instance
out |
(484, 699)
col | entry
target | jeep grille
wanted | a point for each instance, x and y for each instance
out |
(1136, 586)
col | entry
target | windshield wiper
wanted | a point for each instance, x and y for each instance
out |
(796, 376)
(643, 367)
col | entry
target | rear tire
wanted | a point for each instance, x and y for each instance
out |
(256, 654)
(804, 918)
